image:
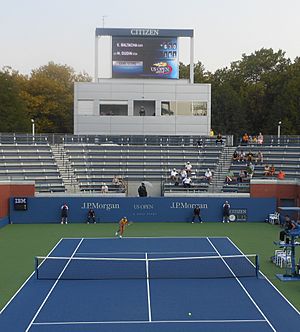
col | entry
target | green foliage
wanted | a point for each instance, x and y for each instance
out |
(13, 112)
(254, 94)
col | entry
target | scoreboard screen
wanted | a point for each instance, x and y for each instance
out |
(20, 203)
(136, 57)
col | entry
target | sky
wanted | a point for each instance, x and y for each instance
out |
(34, 32)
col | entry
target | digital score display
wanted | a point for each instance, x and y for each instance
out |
(20, 203)
(135, 57)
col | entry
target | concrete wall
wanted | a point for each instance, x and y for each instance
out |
(88, 121)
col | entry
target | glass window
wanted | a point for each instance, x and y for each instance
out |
(113, 108)
(168, 108)
(200, 108)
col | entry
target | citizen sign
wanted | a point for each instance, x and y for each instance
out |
(144, 32)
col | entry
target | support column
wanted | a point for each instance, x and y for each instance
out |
(96, 60)
(192, 60)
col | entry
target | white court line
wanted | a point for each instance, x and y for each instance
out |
(245, 290)
(298, 312)
(148, 288)
(143, 253)
(158, 322)
(145, 237)
(25, 282)
(52, 288)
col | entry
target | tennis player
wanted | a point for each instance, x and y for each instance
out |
(122, 224)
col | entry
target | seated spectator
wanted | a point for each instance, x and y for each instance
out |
(187, 182)
(241, 176)
(174, 175)
(188, 168)
(272, 170)
(242, 156)
(104, 188)
(235, 156)
(254, 140)
(200, 142)
(266, 170)
(230, 177)
(281, 175)
(250, 156)
(245, 139)
(211, 133)
(219, 139)
(183, 174)
(208, 175)
(250, 170)
(260, 139)
(259, 157)
(116, 180)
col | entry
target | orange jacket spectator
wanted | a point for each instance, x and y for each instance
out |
(281, 175)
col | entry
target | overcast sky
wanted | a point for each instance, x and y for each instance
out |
(34, 32)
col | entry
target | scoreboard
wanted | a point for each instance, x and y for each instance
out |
(136, 57)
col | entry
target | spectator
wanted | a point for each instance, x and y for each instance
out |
(242, 156)
(174, 175)
(245, 139)
(211, 133)
(142, 190)
(104, 188)
(196, 214)
(250, 170)
(91, 216)
(259, 157)
(241, 176)
(250, 156)
(226, 207)
(183, 174)
(200, 142)
(230, 177)
(281, 175)
(188, 168)
(116, 180)
(208, 175)
(260, 139)
(219, 139)
(64, 213)
(235, 156)
(266, 170)
(187, 182)
(272, 170)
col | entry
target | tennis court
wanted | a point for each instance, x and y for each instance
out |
(148, 284)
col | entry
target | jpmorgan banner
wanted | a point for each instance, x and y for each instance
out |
(139, 209)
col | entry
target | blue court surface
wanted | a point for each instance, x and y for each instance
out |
(147, 284)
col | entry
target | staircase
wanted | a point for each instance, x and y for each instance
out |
(65, 169)
(222, 170)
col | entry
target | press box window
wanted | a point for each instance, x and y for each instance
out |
(113, 108)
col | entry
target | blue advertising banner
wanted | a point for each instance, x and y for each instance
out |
(139, 209)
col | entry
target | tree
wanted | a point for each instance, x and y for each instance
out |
(49, 97)
(13, 112)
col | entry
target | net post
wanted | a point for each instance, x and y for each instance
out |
(36, 263)
(256, 266)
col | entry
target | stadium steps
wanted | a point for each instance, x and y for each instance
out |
(65, 169)
(222, 170)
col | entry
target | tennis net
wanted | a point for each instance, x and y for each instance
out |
(80, 268)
